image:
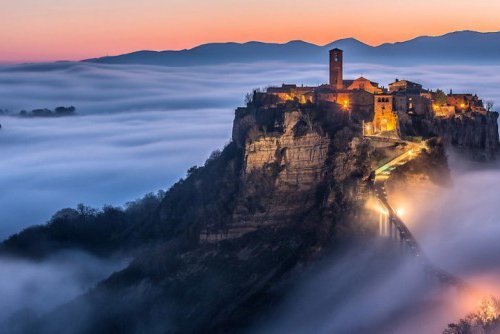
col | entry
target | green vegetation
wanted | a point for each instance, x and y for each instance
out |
(100, 232)
(440, 97)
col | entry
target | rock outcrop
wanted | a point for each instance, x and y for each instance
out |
(281, 174)
(474, 134)
(301, 166)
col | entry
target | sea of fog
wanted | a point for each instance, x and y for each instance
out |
(139, 128)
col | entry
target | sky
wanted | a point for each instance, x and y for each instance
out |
(48, 30)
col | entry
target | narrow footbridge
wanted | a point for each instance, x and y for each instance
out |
(391, 225)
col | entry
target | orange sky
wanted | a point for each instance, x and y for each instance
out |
(40, 30)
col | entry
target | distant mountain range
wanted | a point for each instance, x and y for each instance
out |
(462, 47)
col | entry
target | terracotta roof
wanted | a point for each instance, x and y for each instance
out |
(407, 82)
(350, 82)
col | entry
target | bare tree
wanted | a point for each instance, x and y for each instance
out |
(490, 105)
(248, 98)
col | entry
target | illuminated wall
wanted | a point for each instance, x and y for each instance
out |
(384, 117)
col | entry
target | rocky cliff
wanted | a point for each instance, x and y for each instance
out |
(473, 134)
(300, 167)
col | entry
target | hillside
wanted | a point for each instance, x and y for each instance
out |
(462, 47)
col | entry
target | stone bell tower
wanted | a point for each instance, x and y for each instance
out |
(336, 75)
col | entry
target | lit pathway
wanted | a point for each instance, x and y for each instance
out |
(382, 174)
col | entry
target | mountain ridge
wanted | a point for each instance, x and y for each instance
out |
(464, 46)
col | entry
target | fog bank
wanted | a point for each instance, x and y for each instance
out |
(141, 127)
(38, 287)
(458, 229)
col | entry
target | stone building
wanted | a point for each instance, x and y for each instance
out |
(385, 118)
(380, 109)
(359, 101)
(353, 95)
(415, 104)
(405, 86)
(443, 111)
(291, 92)
(466, 103)
(363, 84)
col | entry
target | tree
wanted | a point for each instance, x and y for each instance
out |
(440, 97)
(248, 98)
(490, 105)
(85, 211)
(62, 111)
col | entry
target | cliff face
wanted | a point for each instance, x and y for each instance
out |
(474, 134)
(282, 173)
(300, 167)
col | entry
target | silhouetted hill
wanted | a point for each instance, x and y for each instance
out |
(466, 47)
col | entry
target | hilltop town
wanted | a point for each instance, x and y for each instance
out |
(383, 111)
(298, 140)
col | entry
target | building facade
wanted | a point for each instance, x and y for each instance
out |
(385, 118)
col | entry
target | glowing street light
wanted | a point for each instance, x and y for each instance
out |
(400, 212)
(345, 104)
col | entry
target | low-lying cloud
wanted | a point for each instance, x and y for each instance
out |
(367, 290)
(141, 127)
(38, 287)
(461, 229)
(458, 229)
